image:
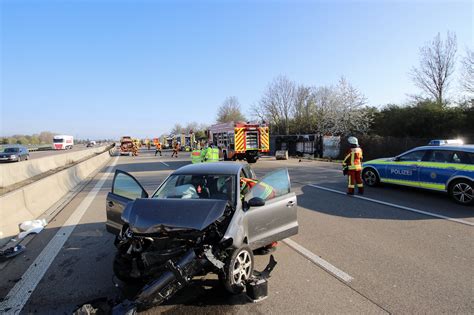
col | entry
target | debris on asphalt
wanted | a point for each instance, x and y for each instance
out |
(11, 252)
(31, 227)
(86, 309)
(257, 286)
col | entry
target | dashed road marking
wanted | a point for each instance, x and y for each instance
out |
(396, 206)
(21, 292)
(318, 261)
(164, 164)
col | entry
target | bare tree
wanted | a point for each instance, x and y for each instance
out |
(177, 129)
(304, 110)
(325, 109)
(349, 114)
(467, 74)
(340, 109)
(230, 110)
(278, 102)
(437, 63)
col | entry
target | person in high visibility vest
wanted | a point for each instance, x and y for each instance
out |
(352, 166)
(208, 154)
(158, 148)
(215, 154)
(261, 190)
(135, 149)
(175, 150)
(196, 156)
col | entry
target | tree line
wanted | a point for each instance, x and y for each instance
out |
(341, 109)
(44, 137)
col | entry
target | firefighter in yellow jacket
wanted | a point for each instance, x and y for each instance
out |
(352, 166)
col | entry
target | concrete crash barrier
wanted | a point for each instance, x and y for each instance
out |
(281, 155)
(30, 201)
(12, 173)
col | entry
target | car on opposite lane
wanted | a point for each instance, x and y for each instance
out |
(14, 154)
(447, 168)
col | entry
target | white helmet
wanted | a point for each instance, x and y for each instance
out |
(353, 140)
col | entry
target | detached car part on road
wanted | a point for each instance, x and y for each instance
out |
(448, 168)
(196, 222)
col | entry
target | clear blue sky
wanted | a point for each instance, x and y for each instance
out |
(107, 68)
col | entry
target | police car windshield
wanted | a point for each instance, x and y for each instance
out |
(220, 187)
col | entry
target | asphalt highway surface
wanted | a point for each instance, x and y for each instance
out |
(396, 250)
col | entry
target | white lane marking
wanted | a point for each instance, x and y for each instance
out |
(396, 206)
(165, 163)
(318, 261)
(21, 292)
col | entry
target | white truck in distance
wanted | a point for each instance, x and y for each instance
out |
(63, 142)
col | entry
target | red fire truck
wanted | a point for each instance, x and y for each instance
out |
(240, 140)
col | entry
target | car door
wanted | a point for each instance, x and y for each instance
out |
(277, 218)
(438, 167)
(405, 169)
(125, 188)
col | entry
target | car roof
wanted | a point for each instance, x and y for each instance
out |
(464, 148)
(14, 146)
(215, 168)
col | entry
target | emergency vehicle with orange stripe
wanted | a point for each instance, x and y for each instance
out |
(240, 140)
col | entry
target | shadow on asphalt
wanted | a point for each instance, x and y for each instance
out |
(82, 272)
(331, 203)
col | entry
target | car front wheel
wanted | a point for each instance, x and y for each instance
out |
(238, 270)
(370, 177)
(462, 191)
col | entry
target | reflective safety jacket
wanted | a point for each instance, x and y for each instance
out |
(259, 189)
(246, 184)
(196, 156)
(211, 155)
(215, 154)
(353, 159)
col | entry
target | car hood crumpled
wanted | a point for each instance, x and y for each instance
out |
(152, 215)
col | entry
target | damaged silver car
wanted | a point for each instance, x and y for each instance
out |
(197, 221)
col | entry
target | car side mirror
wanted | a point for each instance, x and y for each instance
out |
(396, 159)
(256, 202)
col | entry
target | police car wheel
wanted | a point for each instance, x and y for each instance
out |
(370, 177)
(462, 191)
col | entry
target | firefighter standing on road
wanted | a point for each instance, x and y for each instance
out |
(134, 149)
(158, 148)
(352, 165)
(175, 149)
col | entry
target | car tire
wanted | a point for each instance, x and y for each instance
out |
(462, 191)
(238, 268)
(370, 177)
(251, 159)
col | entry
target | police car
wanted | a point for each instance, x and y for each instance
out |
(438, 166)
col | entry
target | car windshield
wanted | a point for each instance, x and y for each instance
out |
(198, 187)
(12, 150)
(58, 140)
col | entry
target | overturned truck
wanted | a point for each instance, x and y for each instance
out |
(195, 223)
